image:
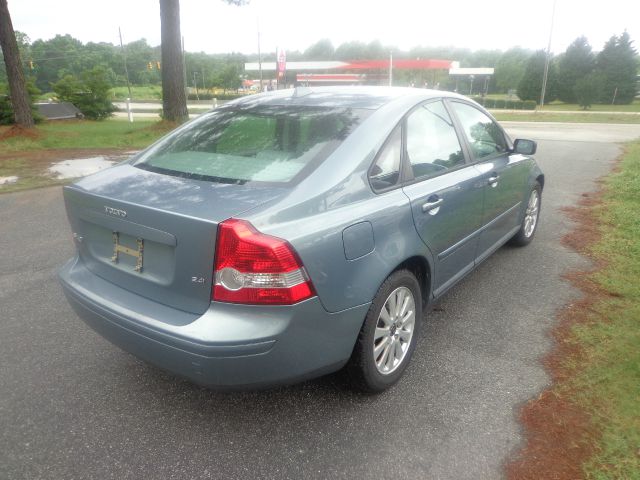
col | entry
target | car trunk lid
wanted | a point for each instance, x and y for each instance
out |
(153, 234)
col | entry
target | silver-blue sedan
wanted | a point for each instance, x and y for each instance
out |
(291, 234)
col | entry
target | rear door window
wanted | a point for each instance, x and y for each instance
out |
(267, 144)
(385, 172)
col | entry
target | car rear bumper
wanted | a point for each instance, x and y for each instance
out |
(229, 346)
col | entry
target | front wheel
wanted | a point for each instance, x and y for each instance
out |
(530, 220)
(389, 334)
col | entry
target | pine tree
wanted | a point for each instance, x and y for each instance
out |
(510, 68)
(617, 63)
(576, 63)
(174, 98)
(20, 100)
(587, 89)
(530, 87)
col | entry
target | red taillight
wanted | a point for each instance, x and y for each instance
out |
(254, 268)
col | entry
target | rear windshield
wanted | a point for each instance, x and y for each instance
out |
(261, 144)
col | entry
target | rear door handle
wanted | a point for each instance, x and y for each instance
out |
(432, 207)
(493, 180)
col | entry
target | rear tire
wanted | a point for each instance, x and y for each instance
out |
(388, 335)
(530, 220)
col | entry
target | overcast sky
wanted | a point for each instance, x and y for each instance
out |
(215, 27)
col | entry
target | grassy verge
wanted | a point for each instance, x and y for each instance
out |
(587, 424)
(566, 117)
(138, 92)
(28, 155)
(85, 134)
(607, 379)
(560, 107)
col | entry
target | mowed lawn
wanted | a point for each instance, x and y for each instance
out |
(631, 107)
(111, 134)
(558, 106)
(565, 117)
(603, 376)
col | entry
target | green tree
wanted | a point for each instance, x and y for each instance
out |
(352, 51)
(530, 86)
(510, 68)
(24, 47)
(321, 50)
(587, 89)
(89, 92)
(6, 109)
(19, 95)
(229, 78)
(483, 58)
(617, 63)
(55, 58)
(576, 63)
(139, 55)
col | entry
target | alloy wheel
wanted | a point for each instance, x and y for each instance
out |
(531, 214)
(394, 330)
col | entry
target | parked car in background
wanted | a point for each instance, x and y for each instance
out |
(290, 234)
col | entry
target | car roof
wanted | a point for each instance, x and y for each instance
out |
(353, 97)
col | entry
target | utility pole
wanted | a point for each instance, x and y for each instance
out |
(195, 83)
(124, 59)
(548, 57)
(126, 74)
(390, 69)
(184, 71)
(259, 55)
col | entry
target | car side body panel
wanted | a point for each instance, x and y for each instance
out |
(449, 230)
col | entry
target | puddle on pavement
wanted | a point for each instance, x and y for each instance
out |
(8, 180)
(81, 167)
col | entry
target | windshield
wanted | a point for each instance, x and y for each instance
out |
(260, 144)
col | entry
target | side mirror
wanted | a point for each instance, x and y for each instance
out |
(525, 147)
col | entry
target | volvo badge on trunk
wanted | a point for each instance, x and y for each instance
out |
(116, 212)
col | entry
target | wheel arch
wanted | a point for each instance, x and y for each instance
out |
(421, 269)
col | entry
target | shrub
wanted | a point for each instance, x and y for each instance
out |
(90, 93)
(211, 96)
(499, 103)
(200, 96)
(6, 109)
(6, 112)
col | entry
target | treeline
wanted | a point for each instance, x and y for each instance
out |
(579, 75)
(48, 61)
